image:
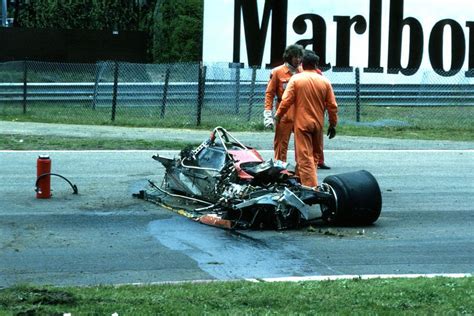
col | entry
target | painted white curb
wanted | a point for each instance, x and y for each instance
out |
(361, 277)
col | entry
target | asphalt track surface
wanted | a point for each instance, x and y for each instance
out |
(105, 236)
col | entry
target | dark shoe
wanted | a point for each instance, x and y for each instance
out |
(323, 166)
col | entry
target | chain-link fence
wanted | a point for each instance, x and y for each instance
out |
(193, 94)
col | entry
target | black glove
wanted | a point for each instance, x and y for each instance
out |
(331, 132)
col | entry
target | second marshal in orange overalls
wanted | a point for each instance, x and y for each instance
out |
(308, 95)
(279, 78)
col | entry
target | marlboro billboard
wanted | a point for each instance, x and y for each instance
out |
(378, 36)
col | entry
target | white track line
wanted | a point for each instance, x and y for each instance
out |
(362, 277)
(314, 278)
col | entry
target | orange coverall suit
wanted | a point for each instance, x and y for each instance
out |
(279, 78)
(308, 94)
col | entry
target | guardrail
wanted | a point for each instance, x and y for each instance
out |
(129, 94)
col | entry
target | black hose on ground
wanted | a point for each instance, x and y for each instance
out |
(73, 186)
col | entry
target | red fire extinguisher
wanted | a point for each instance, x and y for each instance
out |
(43, 170)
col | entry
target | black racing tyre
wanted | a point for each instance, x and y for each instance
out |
(358, 200)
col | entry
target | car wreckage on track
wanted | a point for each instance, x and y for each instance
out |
(224, 183)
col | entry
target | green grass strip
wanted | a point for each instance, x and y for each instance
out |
(419, 296)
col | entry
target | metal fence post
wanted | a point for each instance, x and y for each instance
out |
(99, 69)
(114, 93)
(237, 67)
(252, 93)
(357, 93)
(237, 90)
(201, 91)
(165, 92)
(25, 83)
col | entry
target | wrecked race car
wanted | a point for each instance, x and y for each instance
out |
(224, 183)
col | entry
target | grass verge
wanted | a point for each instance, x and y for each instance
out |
(31, 142)
(441, 123)
(420, 296)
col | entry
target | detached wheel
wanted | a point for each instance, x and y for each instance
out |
(358, 200)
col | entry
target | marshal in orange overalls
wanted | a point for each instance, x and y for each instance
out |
(308, 95)
(279, 78)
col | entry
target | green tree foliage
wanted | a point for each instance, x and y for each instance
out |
(86, 14)
(178, 31)
(174, 27)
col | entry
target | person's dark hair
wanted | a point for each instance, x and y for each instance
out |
(310, 59)
(291, 51)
